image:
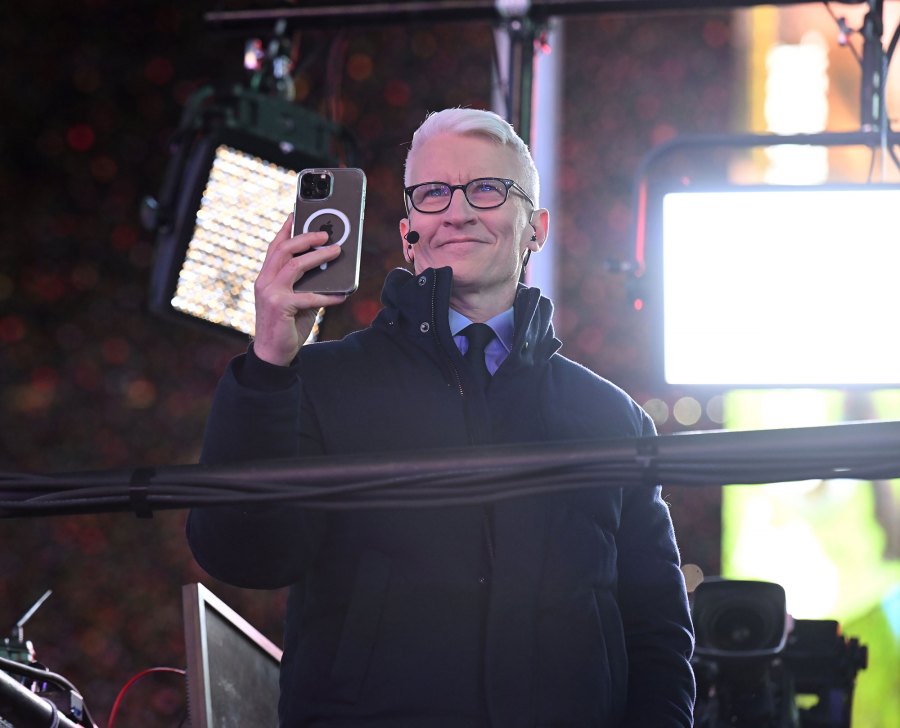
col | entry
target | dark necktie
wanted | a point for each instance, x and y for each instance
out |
(478, 336)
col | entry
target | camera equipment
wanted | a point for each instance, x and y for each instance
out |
(752, 661)
(30, 694)
(315, 186)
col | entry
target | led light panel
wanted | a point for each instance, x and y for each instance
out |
(781, 287)
(240, 211)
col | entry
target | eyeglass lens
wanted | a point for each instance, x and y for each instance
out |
(435, 196)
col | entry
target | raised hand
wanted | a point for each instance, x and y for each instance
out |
(285, 318)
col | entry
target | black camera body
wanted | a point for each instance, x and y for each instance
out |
(753, 661)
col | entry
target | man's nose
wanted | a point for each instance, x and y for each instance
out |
(459, 206)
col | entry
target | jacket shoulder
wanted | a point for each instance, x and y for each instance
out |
(354, 347)
(593, 404)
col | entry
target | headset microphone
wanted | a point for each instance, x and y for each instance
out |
(412, 237)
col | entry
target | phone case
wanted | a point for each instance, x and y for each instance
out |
(341, 215)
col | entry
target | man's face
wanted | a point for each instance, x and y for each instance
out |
(484, 247)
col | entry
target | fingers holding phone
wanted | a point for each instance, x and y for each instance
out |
(290, 256)
(312, 262)
(284, 317)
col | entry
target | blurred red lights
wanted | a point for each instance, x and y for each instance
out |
(80, 137)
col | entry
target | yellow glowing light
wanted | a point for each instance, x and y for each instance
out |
(687, 411)
(240, 211)
(658, 410)
(797, 103)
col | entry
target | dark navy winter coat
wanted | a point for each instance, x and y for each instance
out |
(551, 610)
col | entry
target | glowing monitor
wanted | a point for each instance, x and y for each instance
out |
(779, 286)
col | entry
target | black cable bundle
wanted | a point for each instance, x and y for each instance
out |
(864, 451)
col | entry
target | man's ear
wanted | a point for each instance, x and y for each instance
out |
(540, 225)
(407, 249)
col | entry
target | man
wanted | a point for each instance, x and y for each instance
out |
(551, 610)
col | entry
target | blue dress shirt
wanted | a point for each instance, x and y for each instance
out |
(495, 352)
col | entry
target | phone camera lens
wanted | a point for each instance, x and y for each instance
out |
(315, 186)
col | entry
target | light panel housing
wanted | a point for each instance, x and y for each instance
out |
(230, 185)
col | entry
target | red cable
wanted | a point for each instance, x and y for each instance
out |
(132, 681)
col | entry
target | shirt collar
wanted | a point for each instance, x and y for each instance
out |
(503, 325)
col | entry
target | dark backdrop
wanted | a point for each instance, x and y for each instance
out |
(92, 90)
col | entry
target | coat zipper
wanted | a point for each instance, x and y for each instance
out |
(459, 386)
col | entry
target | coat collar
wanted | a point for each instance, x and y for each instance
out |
(418, 305)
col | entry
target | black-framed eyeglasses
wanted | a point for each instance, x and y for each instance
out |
(483, 193)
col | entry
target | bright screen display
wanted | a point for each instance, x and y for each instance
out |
(782, 287)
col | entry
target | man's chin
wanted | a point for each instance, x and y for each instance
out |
(463, 269)
(464, 273)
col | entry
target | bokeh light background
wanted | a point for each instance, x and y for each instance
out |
(89, 380)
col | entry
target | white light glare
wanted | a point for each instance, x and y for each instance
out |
(790, 287)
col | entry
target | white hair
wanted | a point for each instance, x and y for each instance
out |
(482, 123)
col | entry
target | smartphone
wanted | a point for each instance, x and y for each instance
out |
(332, 200)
